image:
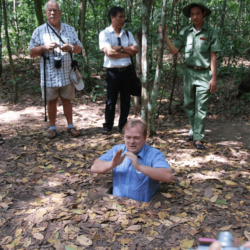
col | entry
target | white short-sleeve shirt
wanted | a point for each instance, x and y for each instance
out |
(108, 37)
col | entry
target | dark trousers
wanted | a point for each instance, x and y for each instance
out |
(117, 81)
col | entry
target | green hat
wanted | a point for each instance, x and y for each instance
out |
(186, 10)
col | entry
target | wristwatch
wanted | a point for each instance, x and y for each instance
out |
(72, 48)
(121, 48)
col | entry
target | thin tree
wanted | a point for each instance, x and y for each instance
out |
(9, 53)
(154, 94)
(138, 39)
(146, 4)
(83, 7)
(1, 64)
(39, 12)
(129, 10)
(222, 19)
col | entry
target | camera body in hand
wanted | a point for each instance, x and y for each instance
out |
(226, 240)
(57, 62)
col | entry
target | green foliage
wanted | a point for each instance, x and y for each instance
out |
(98, 90)
(235, 42)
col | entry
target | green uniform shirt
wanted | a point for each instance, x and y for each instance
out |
(198, 45)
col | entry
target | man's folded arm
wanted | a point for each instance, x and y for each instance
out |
(131, 50)
(110, 52)
(101, 167)
(158, 174)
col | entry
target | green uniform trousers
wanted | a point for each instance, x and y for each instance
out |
(196, 95)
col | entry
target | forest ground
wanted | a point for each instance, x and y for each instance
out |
(49, 199)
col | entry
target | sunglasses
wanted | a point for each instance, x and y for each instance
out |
(119, 41)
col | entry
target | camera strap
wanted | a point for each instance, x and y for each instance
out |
(60, 40)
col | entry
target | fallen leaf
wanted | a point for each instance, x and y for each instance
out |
(214, 198)
(18, 232)
(71, 247)
(133, 228)
(225, 228)
(187, 192)
(162, 215)
(208, 192)
(167, 195)
(247, 234)
(157, 205)
(59, 148)
(27, 243)
(221, 202)
(187, 244)
(83, 240)
(6, 240)
(136, 220)
(231, 183)
(38, 236)
(125, 241)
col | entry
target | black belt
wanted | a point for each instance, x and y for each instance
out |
(196, 67)
(120, 69)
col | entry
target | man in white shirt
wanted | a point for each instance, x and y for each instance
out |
(117, 46)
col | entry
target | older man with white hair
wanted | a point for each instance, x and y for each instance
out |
(47, 39)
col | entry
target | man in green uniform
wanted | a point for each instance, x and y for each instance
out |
(200, 43)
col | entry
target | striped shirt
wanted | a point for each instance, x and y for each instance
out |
(44, 35)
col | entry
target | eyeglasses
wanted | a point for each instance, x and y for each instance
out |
(55, 11)
(119, 41)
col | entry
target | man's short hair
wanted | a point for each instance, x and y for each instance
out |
(131, 123)
(45, 7)
(196, 5)
(114, 10)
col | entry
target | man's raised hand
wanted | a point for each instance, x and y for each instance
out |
(133, 159)
(165, 29)
(117, 159)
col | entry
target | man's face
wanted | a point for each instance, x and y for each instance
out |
(118, 20)
(53, 13)
(134, 139)
(197, 15)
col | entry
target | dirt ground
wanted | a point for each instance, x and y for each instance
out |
(49, 199)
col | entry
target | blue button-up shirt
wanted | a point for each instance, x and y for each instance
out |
(131, 183)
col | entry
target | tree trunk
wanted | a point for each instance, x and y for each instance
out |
(105, 14)
(83, 6)
(154, 94)
(222, 19)
(151, 47)
(145, 31)
(9, 53)
(1, 64)
(129, 10)
(137, 99)
(39, 12)
(174, 81)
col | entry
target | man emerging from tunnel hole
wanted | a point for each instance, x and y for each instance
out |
(136, 167)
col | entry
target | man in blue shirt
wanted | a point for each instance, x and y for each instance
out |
(137, 167)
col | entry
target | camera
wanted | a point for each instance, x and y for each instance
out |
(226, 240)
